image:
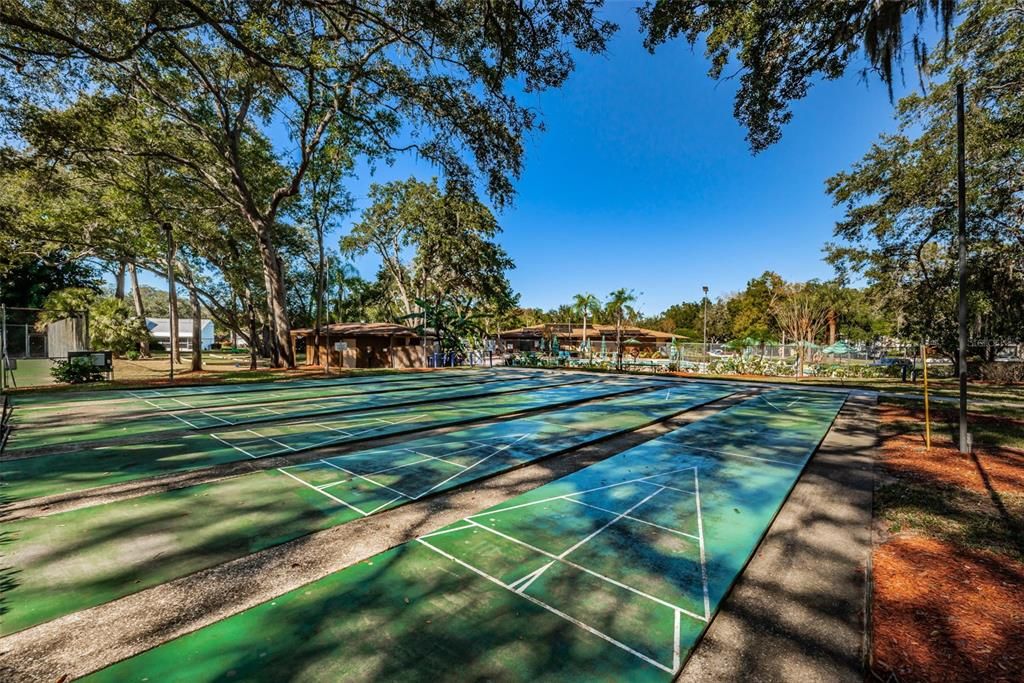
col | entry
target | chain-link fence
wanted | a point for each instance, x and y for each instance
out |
(30, 342)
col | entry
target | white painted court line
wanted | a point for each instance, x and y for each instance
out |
(524, 582)
(434, 457)
(635, 519)
(398, 467)
(334, 498)
(174, 415)
(620, 516)
(580, 567)
(762, 397)
(675, 643)
(442, 532)
(700, 537)
(332, 429)
(269, 410)
(740, 455)
(237, 448)
(282, 444)
(384, 505)
(215, 417)
(642, 480)
(482, 460)
(375, 483)
(557, 612)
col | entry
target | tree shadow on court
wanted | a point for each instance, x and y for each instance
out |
(8, 575)
(410, 614)
(798, 610)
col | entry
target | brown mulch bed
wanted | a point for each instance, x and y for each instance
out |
(905, 456)
(948, 601)
(942, 614)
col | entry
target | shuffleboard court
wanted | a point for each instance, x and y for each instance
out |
(77, 559)
(232, 415)
(44, 402)
(611, 573)
(27, 478)
(132, 404)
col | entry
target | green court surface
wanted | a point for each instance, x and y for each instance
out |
(46, 401)
(101, 465)
(80, 558)
(34, 408)
(611, 573)
(155, 418)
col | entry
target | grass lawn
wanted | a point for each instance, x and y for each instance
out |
(987, 398)
(218, 368)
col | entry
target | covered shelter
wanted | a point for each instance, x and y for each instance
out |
(570, 337)
(365, 345)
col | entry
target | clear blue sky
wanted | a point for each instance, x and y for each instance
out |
(643, 179)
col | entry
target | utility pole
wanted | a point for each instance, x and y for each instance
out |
(705, 288)
(172, 299)
(965, 446)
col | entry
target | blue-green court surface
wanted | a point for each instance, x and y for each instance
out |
(161, 418)
(611, 573)
(102, 465)
(84, 557)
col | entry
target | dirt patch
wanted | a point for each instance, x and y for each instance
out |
(944, 615)
(948, 600)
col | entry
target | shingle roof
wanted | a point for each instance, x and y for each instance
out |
(361, 330)
(574, 331)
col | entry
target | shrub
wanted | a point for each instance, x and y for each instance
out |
(116, 327)
(1002, 371)
(75, 371)
(133, 355)
(752, 365)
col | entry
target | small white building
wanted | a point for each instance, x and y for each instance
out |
(160, 330)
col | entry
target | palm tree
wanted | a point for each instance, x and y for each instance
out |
(619, 306)
(344, 276)
(584, 304)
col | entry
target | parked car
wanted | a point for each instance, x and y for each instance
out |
(893, 362)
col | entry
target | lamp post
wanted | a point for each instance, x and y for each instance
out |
(172, 303)
(705, 288)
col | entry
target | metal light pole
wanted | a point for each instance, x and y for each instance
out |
(172, 310)
(705, 288)
(965, 446)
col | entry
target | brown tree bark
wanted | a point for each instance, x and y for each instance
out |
(119, 281)
(140, 309)
(276, 303)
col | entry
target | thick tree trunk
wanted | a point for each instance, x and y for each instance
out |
(253, 337)
(119, 281)
(234, 332)
(319, 318)
(276, 301)
(197, 331)
(140, 309)
(832, 327)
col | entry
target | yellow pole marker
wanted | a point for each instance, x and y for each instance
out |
(927, 413)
